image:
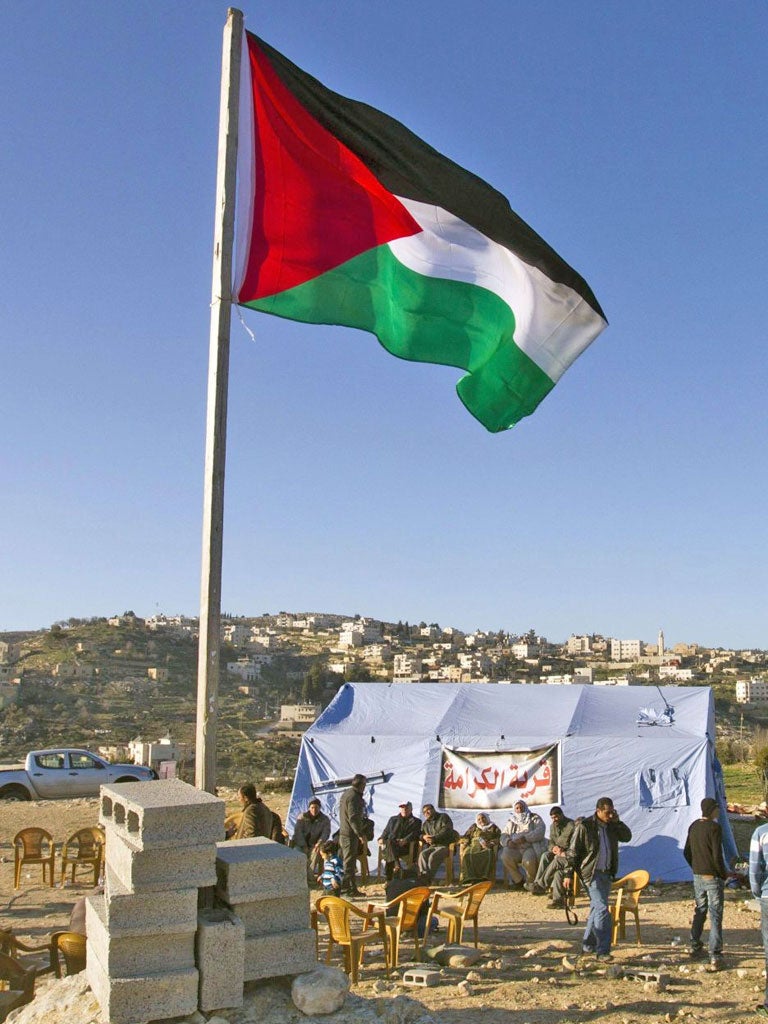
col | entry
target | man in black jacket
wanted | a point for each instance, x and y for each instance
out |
(704, 852)
(437, 834)
(313, 829)
(352, 828)
(395, 841)
(594, 853)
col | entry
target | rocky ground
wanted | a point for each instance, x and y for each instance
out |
(525, 975)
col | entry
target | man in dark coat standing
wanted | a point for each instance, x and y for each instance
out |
(352, 828)
(594, 853)
(704, 852)
(395, 841)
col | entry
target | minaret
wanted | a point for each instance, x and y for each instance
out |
(661, 643)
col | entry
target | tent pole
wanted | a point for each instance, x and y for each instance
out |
(216, 422)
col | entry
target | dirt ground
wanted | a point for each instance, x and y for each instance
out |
(521, 978)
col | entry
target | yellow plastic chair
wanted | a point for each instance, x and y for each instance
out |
(23, 952)
(626, 900)
(33, 846)
(84, 848)
(338, 914)
(17, 985)
(401, 917)
(69, 947)
(464, 907)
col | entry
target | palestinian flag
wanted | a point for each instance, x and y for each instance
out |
(346, 217)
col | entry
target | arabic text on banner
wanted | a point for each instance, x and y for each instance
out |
(473, 780)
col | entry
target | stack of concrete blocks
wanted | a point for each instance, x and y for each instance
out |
(160, 849)
(265, 885)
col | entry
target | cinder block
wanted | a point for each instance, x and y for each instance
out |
(271, 956)
(421, 977)
(126, 956)
(148, 913)
(187, 867)
(150, 997)
(257, 869)
(263, 917)
(162, 815)
(220, 947)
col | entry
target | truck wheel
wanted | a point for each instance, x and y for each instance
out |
(14, 793)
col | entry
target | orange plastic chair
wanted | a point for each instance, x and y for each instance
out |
(84, 848)
(627, 898)
(401, 917)
(33, 846)
(338, 914)
(17, 985)
(465, 907)
(69, 947)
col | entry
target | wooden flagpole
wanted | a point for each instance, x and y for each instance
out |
(216, 422)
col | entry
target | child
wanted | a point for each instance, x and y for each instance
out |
(333, 869)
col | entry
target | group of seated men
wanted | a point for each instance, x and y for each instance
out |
(421, 845)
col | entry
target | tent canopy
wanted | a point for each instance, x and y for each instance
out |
(477, 746)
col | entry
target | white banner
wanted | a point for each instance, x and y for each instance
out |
(477, 780)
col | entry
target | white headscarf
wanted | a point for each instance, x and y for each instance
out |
(520, 817)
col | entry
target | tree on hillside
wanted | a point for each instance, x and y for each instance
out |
(761, 762)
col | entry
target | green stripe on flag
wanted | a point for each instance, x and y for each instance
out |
(426, 320)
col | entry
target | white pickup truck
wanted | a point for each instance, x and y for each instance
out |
(65, 773)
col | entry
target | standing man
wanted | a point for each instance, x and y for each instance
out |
(437, 834)
(704, 852)
(758, 883)
(594, 853)
(313, 829)
(352, 828)
(553, 864)
(395, 841)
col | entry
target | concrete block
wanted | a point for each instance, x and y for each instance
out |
(220, 948)
(257, 869)
(188, 867)
(149, 997)
(161, 815)
(421, 977)
(128, 956)
(263, 917)
(148, 913)
(271, 956)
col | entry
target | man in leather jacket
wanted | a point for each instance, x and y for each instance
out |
(594, 853)
(352, 818)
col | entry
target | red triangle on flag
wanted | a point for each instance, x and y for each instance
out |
(316, 205)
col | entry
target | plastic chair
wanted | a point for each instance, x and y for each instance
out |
(465, 907)
(84, 848)
(338, 913)
(407, 861)
(17, 985)
(13, 947)
(404, 921)
(69, 947)
(33, 846)
(627, 898)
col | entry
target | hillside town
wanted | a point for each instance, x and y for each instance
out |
(288, 665)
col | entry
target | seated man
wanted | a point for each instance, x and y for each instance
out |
(553, 865)
(395, 841)
(522, 843)
(313, 829)
(437, 834)
(256, 818)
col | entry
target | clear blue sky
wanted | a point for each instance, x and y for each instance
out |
(632, 137)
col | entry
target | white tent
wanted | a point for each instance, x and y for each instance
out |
(465, 747)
